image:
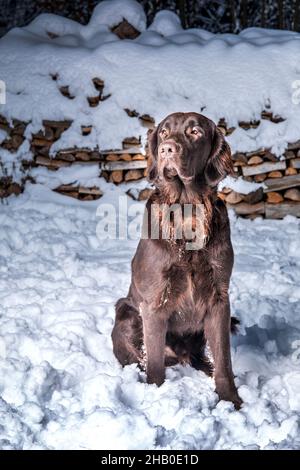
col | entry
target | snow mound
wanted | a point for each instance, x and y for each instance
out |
(166, 23)
(106, 14)
(112, 12)
(239, 185)
(61, 386)
(165, 69)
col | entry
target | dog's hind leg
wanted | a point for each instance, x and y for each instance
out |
(127, 333)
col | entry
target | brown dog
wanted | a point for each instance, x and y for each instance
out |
(178, 297)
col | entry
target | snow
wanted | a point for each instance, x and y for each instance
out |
(3, 135)
(163, 70)
(137, 75)
(166, 23)
(107, 14)
(112, 12)
(239, 185)
(61, 386)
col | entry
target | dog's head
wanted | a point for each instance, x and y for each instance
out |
(188, 148)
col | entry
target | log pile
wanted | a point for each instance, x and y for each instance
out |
(279, 195)
(79, 192)
(117, 166)
(125, 165)
(93, 100)
(125, 30)
(15, 134)
(9, 187)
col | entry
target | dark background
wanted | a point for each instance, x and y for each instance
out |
(213, 15)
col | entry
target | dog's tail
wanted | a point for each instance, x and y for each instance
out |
(127, 333)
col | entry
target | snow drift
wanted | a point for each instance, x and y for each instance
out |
(62, 388)
(165, 69)
(60, 385)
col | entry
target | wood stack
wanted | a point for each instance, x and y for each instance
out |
(246, 125)
(125, 30)
(93, 100)
(279, 196)
(42, 140)
(145, 119)
(9, 187)
(280, 179)
(15, 134)
(99, 96)
(122, 165)
(139, 195)
(127, 164)
(79, 192)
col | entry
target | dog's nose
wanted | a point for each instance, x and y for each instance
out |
(168, 149)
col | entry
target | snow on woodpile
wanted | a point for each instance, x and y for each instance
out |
(83, 91)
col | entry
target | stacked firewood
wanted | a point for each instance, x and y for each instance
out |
(122, 165)
(280, 179)
(93, 100)
(278, 195)
(13, 140)
(116, 166)
(15, 134)
(9, 187)
(79, 192)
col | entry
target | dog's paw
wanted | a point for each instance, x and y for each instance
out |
(227, 391)
(232, 396)
(157, 379)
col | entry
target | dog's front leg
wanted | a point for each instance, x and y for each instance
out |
(154, 327)
(217, 332)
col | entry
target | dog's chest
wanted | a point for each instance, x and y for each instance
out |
(189, 289)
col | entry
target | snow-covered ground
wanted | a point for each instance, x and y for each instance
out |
(61, 386)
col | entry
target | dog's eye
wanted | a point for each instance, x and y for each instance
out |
(164, 132)
(194, 131)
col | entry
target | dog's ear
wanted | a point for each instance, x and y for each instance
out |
(219, 163)
(152, 172)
